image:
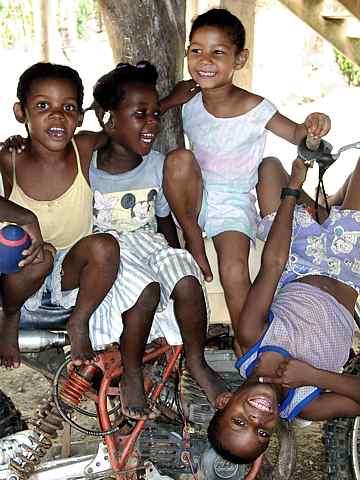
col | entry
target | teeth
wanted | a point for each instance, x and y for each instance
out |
(207, 74)
(261, 404)
(147, 137)
(56, 131)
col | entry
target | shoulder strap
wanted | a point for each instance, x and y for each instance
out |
(77, 155)
(13, 155)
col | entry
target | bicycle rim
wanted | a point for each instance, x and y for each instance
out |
(355, 447)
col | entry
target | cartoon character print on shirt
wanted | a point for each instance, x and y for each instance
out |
(125, 211)
(141, 211)
(343, 241)
(303, 218)
(316, 248)
(295, 266)
(103, 207)
(356, 216)
(334, 266)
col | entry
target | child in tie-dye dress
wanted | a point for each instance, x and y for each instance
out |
(209, 189)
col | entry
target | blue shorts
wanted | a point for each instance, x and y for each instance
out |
(52, 283)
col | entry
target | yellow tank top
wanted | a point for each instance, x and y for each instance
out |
(66, 219)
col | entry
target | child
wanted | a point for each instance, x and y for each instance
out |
(51, 179)
(295, 342)
(226, 127)
(126, 176)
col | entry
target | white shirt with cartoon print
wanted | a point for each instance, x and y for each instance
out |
(127, 201)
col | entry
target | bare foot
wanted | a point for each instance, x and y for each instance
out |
(132, 394)
(211, 383)
(195, 245)
(81, 349)
(9, 345)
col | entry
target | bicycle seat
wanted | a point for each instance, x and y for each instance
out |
(47, 317)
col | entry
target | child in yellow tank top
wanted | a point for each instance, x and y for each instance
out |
(51, 179)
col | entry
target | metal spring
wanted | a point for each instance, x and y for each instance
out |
(46, 426)
(74, 389)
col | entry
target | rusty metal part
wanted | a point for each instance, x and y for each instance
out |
(46, 426)
(77, 385)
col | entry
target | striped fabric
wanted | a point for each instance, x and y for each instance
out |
(145, 258)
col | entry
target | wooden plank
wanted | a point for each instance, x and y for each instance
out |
(310, 11)
(353, 6)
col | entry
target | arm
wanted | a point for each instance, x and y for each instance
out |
(182, 93)
(166, 226)
(274, 258)
(12, 213)
(342, 400)
(315, 124)
(96, 140)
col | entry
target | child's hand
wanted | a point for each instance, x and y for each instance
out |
(317, 124)
(182, 93)
(292, 373)
(35, 253)
(15, 142)
(298, 174)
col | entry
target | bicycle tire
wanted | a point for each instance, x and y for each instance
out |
(341, 441)
(11, 420)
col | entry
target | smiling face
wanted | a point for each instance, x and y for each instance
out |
(213, 57)
(248, 419)
(51, 112)
(136, 121)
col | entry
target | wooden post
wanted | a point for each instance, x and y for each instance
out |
(245, 10)
(46, 30)
(42, 24)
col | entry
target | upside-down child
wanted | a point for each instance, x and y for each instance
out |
(50, 178)
(209, 188)
(297, 324)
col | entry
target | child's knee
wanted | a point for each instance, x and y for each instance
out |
(103, 248)
(269, 166)
(188, 288)
(234, 272)
(149, 297)
(179, 163)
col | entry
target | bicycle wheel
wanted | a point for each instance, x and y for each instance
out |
(10, 418)
(342, 441)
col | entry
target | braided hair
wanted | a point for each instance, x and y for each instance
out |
(109, 90)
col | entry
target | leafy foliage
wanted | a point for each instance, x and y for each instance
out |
(86, 12)
(350, 71)
(17, 20)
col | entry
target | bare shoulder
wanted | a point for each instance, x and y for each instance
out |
(246, 100)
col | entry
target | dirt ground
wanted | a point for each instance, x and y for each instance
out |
(27, 388)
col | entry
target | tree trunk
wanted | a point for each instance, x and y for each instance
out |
(67, 28)
(152, 30)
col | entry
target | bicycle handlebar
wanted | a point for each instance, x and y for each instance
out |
(313, 150)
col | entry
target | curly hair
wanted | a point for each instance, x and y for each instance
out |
(45, 70)
(224, 20)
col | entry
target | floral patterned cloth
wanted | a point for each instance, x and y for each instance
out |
(330, 249)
